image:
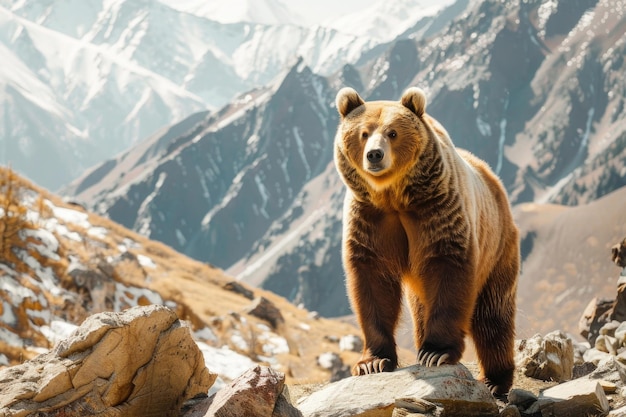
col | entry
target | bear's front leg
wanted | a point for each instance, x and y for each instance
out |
(448, 299)
(376, 299)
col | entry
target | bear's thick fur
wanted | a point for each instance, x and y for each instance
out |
(431, 221)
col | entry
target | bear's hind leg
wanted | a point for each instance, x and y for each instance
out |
(493, 331)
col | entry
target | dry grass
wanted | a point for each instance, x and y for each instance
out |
(196, 288)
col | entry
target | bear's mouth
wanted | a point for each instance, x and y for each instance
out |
(375, 169)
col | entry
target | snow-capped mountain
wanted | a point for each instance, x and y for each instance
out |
(67, 103)
(84, 80)
(268, 12)
(535, 89)
(385, 20)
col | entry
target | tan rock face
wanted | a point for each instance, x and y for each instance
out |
(140, 362)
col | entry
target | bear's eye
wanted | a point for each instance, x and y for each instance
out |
(392, 134)
(364, 135)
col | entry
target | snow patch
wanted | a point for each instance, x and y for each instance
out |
(180, 237)
(57, 330)
(264, 196)
(483, 127)
(205, 334)
(10, 338)
(71, 216)
(307, 168)
(502, 136)
(45, 242)
(129, 296)
(98, 232)
(45, 274)
(146, 261)
(7, 314)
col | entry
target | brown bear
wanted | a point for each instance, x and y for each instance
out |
(424, 218)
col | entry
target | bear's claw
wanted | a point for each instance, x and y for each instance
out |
(498, 391)
(433, 358)
(372, 366)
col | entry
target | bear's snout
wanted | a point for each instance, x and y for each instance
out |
(375, 156)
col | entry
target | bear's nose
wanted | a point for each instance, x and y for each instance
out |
(375, 156)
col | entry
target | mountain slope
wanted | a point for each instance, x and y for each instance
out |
(60, 263)
(240, 171)
(65, 102)
(567, 260)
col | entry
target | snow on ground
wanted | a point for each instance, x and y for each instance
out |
(67, 215)
(31, 294)
(225, 363)
(130, 296)
(57, 330)
(145, 261)
(97, 232)
(205, 334)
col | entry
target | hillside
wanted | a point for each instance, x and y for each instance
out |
(567, 260)
(61, 263)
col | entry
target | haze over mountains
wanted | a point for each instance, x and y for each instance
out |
(535, 88)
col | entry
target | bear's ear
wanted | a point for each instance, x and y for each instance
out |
(347, 100)
(414, 99)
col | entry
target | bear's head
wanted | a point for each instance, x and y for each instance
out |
(379, 141)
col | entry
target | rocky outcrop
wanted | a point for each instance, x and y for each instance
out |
(549, 358)
(603, 322)
(142, 362)
(618, 254)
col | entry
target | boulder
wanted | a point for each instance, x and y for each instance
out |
(333, 362)
(451, 387)
(619, 309)
(237, 288)
(618, 254)
(611, 370)
(549, 358)
(351, 343)
(141, 362)
(580, 397)
(595, 315)
(256, 392)
(266, 310)
(521, 398)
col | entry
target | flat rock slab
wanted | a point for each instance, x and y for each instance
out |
(451, 386)
(580, 397)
